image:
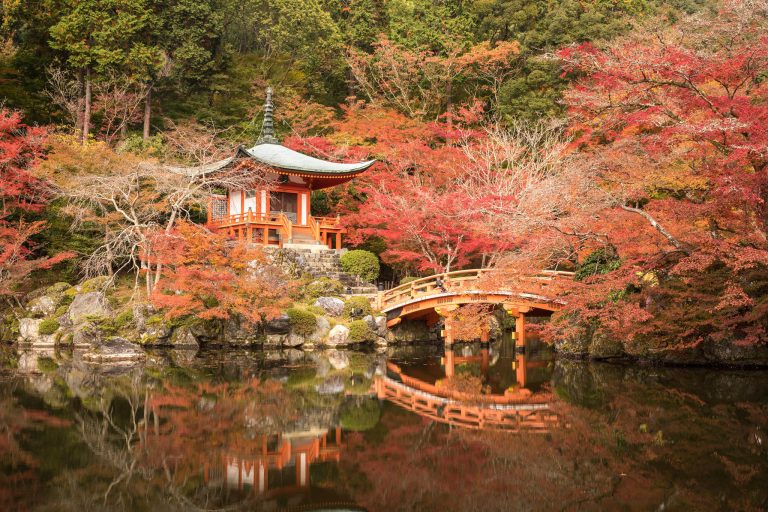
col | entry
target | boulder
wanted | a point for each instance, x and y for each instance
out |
(381, 341)
(86, 336)
(331, 305)
(90, 304)
(114, 351)
(331, 386)
(43, 306)
(381, 325)
(208, 330)
(293, 340)
(370, 321)
(29, 329)
(339, 360)
(237, 331)
(322, 329)
(339, 335)
(278, 325)
(274, 340)
(183, 337)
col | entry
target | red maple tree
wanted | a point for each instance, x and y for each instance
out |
(22, 196)
(208, 277)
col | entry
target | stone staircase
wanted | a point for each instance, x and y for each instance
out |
(319, 261)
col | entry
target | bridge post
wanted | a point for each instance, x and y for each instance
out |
(447, 312)
(520, 332)
(485, 333)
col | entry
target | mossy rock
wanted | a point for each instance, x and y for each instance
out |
(124, 319)
(323, 287)
(357, 307)
(48, 326)
(57, 288)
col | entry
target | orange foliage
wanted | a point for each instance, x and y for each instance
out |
(207, 276)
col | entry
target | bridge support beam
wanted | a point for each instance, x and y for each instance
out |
(519, 313)
(449, 333)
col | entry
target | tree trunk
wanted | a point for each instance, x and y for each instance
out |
(87, 108)
(449, 102)
(79, 120)
(147, 112)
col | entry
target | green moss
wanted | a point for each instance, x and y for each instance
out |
(302, 322)
(57, 288)
(363, 264)
(61, 311)
(96, 284)
(357, 307)
(360, 332)
(48, 326)
(323, 287)
(123, 319)
(315, 310)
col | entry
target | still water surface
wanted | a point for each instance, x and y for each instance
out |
(415, 428)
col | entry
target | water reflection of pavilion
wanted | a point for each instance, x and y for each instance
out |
(281, 466)
(515, 409)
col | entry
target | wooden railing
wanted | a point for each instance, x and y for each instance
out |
(314, 226)
(508, 398)
(453, 282)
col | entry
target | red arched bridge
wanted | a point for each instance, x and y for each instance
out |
(441, 295)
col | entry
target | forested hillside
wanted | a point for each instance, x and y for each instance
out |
(210, 60)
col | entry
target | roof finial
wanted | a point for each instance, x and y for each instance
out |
(267, 127)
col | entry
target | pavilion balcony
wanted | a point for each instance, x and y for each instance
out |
(274, 228)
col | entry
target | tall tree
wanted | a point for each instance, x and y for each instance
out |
(99, 36)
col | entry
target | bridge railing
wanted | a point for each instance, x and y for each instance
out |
(452, 282)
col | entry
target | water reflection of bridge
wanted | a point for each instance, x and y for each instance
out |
(516, 409)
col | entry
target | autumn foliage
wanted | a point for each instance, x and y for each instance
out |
(23, 196)
(207, 277)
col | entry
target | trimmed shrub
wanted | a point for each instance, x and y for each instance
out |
(360, 416)
(409, 279)
(359, 332)
(302, 322)
(48, 326)
(361, 263)
(357, 307)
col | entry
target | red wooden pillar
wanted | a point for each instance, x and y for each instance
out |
(338, 240)
(520, 331)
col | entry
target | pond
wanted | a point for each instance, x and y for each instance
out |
(479, 428)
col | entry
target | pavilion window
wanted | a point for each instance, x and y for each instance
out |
(285, 203)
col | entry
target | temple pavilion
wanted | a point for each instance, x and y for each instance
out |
(277, 210)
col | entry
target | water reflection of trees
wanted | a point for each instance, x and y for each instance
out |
(166, 438)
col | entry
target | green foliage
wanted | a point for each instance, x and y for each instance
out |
(302, 322)
(360, 415)
(135, 143)
(409, 279)
(48, 326)
(359, 332)
(357, 307)
(123, 319)
(323, 287)
(600, 261)
(361, 263)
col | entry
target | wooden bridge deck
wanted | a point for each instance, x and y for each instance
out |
(479, 286)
